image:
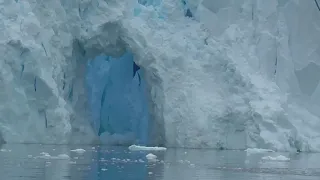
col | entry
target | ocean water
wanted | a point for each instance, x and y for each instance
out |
(56, 162)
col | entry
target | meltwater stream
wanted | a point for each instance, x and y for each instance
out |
(45, 162)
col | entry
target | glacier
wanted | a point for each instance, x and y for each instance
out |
(226, 74)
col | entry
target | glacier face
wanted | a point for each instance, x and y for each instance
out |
(235, 74)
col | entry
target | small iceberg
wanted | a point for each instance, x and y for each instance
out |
(277, 158)
(151, 157)
(80, 151)
(45, 155)
(144, 148)
(257, 150)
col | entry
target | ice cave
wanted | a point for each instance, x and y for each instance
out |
(117, 98)
(194, 73)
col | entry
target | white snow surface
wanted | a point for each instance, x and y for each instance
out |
(145, 148)
(240, 74)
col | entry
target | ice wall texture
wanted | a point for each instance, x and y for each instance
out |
(117, 100)
(238, 74)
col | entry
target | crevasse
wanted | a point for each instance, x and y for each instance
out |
(234, 75)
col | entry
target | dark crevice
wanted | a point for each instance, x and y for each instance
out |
(103, 96)
(35, 84)
(277, 46)
(276, 60)
(317, 4)
(79, 11)
(21, 25)
(139, 79)
(188, 12)
(276, 63)
(64, 81)
(24, 50)
(135, 68)
(83, 11)
(101, 130)
(80, 48)
(206, 41)
(22, 70)
(70, 96)
(143, 2)
(45, 119)
(252, 12)
(44, 49)
(44, 113)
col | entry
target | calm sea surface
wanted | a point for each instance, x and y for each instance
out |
(52, 162)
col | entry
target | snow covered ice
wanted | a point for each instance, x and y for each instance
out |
(208, 74)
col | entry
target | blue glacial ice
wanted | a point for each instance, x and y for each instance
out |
(117, 97)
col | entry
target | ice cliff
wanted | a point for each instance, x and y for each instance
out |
(228, 74)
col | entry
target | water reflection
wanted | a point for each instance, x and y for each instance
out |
(39, 162)
(117, 163)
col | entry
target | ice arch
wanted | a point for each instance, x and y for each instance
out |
(116, 95)
(117, 100)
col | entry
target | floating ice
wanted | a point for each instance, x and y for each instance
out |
(5, 150)
(151, 157)
(276, 158)
(46, 155)
(256, 150)
(80, 151)
(62, 156)
(144, 148)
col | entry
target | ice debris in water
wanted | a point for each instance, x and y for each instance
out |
(151, 157)
(144, 148)
(5, 150)
(277, 158)
(62, 156)
(257, 150)
(80, 151)
(46, 155)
